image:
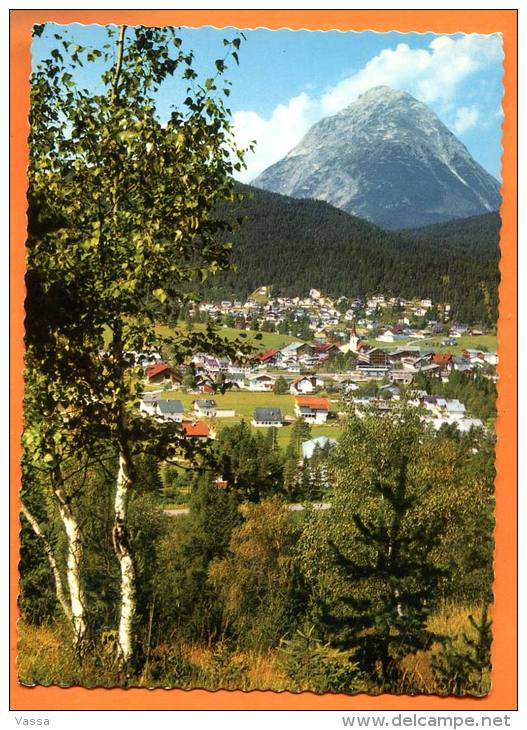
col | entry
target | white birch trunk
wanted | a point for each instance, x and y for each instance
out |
(122, 550)
(59, 587)
(73, 571)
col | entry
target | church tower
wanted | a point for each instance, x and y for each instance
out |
(354, 339)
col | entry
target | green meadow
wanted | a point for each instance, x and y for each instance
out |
(243, 402)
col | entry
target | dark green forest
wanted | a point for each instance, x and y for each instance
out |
(474, 236)
(295, 245)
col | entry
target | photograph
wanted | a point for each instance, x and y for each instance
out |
(261, 354)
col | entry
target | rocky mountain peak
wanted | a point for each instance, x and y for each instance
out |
(388, 158)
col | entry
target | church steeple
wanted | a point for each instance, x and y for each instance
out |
(354, 338)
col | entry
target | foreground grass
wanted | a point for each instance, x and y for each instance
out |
(44, 658)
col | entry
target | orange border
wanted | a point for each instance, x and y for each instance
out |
(504, 655)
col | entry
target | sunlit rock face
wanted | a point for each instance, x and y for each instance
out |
(387, 158)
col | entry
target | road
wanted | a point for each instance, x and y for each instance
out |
(292, 507)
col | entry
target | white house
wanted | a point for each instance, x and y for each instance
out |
(205, 407)
(260, 382)
(305, 384)
(148, 404)
(312, 409)
(267, 417)
(455, 409)
(391, 336)
(170, 410)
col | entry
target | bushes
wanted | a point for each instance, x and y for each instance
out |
(232, 586)
(317, 667)
(258, 581)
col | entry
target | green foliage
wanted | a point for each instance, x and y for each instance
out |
(396, 503)
(250, 462)
(122, 226)
(224, 670)
(185, 603)
(167, 666)
(316, 667)
(300, 432)
(280, 386)
(464, 667)
(258, 581)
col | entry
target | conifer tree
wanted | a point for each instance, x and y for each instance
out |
(378, 543)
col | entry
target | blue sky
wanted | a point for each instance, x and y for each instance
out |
(288, 80)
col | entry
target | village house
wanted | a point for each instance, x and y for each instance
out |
(428, 369)
(445, 361)
(408, 353)
(325, 351)
(403, 377)
(239, 368)
(390, 390)
(455, 409)
(260, 382)
(170, 410)
(463, 425)
(391, 335)
(197, 430)
(268, 358)
(374, 357)
(267, 417)
(347, 386)
(312, 409)
(204, 407)
(148, 404)
(235, 380)
(161, 374)
(373, 363)
(461, 363)
(305, 384)
(144, 359)
(295, 351)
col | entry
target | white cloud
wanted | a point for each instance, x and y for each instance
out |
(466, 118)
(433, 75)
(275, 136)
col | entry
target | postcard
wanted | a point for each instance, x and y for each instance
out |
(264, 340)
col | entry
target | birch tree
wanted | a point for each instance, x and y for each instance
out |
(123, 224)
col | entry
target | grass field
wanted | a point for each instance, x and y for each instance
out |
(488, 343)
(45, 657)
(243, 402)
(266, 341)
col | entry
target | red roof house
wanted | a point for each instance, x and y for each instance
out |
(197, 429)
(312, 409)
(443, 359)
(161, 373)
(268, 355)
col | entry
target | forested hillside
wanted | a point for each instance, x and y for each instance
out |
(479, 234)
(299, 244)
